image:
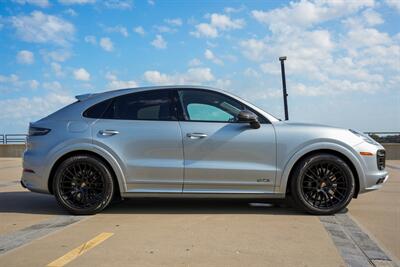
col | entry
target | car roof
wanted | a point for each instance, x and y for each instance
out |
(97, 97)
(144, 88)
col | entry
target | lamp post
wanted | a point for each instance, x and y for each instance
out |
(285, 95)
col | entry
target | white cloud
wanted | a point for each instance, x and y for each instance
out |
(107, 44)
(76, 2)
(52, 86)
(224, 22)
(139, 30)
(307, 13)
(26, 109)
(194, 62)
(364, 37)
(81, 74)
(192, 76)
(57, 69)
(323, 60)
(118, 4)
(204, 29)
(253, 49)
(394, 4)
(119, 29)
(91, 39)
(71, 12)
(250, 72)
(42, 28)
(163, 29)
(39, 3)
(13, 83)
(151, 2)
(372, 17)
(25, 57)
(208, 54)
(233, 9)
(218, 22)
(159, 42)
(174, 22)
(115, 83)
(56, 55)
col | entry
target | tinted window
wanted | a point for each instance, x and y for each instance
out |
(201, 105)
(97, 110)
(149, 105)
(201, 112)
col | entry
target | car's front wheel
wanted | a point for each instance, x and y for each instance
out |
(322, 184)
(83, 185)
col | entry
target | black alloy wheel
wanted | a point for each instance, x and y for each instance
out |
(83, 185)
(322, 184)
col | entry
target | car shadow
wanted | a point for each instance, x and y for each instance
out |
(24, 202)
(29, 203)
(201, 206)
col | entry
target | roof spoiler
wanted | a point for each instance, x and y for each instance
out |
(83, 97)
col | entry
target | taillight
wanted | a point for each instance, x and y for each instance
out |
(36, 131)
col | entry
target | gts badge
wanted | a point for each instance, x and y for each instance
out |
(263, 180)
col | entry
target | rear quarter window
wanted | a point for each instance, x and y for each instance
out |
(96, 111)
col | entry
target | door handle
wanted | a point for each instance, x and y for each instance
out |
(196, 135)
(108, 132)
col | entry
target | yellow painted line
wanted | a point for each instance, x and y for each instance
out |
(73, 254)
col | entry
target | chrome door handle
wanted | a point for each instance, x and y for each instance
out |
(108, 132)
(196, 135)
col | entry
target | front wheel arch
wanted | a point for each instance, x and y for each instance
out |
(326, 151)
(82, 152)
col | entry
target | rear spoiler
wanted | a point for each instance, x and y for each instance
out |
(83, 97)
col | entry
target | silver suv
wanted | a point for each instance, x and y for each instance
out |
(187, 141)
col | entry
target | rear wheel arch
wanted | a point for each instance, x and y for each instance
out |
(88, 153)
(331, 152)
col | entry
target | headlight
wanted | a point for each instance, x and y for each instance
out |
(364, 137)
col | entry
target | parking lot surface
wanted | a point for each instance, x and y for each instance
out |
(35, 231)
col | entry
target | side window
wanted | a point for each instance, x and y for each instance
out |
(199, 105)
(96, 111)
(148, 105)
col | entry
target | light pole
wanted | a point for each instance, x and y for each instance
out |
(285, 95)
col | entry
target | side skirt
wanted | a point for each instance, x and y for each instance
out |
(205, 195)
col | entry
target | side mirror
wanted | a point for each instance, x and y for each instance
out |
(250, 117)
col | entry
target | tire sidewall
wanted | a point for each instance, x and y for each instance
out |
(105, 172)
(296, 186)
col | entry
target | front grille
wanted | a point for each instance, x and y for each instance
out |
(380, 159)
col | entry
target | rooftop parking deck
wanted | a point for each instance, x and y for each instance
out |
(35, 231)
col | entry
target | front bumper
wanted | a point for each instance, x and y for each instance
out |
(373, 177)
(378, 184)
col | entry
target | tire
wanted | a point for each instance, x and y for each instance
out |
(322, 184)
(83, 185)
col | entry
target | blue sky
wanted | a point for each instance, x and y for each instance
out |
(343, 65)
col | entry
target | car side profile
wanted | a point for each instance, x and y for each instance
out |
(193, 142)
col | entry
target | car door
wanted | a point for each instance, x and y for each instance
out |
(221, 154)
(142, 131)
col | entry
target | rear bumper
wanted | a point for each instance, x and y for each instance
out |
(33, 180)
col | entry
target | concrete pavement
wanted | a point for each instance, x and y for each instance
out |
(185, 233)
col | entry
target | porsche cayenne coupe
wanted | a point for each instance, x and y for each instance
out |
(193, 142)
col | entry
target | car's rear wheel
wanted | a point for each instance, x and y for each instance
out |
(83, 185)
(322, 184)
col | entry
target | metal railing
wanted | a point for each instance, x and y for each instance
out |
(385, 137)
(12, 138)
